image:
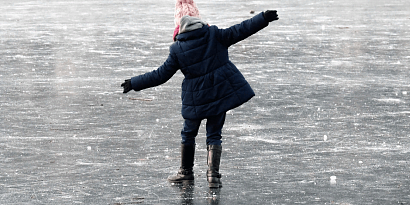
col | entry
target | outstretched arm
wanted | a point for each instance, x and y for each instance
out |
(153, 78)
(247, 28)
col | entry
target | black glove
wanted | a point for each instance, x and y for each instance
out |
(270, 15)
(127, 86)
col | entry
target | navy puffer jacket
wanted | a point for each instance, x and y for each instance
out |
(212, 83)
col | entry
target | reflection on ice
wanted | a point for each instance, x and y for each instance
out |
(390, 100)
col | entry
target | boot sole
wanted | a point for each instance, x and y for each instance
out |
(181, 181)
(215, 185)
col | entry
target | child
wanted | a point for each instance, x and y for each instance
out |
(212, 85)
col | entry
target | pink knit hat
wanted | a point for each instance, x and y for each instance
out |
(184, 8)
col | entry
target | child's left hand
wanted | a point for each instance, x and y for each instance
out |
(271, 15)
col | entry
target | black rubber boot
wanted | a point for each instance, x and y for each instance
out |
(185, 172)
(214, 159)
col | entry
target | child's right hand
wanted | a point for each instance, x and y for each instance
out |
(127, 86)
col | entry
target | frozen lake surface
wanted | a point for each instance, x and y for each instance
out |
(329, 124)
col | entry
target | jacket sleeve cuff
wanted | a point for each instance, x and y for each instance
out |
(135, 83)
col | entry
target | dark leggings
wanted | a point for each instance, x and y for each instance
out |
(214, 126)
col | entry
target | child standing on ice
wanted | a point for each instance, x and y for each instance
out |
(212, 85)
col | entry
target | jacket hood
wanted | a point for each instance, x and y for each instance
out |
(189, 23)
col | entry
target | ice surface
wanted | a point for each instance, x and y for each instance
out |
(327, 68)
